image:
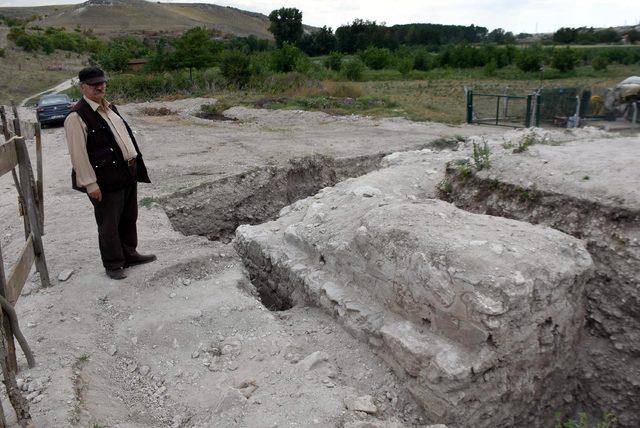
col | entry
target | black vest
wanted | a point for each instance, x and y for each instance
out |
(112, 172)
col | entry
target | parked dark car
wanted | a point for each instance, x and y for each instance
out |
(53, 108)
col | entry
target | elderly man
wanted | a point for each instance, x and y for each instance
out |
(107, 165)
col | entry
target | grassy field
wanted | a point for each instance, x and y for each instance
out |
(424, 96)
(437, 95)
(440, 96)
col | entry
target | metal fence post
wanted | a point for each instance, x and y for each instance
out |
(469, 94)
(527, 117)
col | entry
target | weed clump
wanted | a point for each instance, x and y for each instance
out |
(158, 111)
(465, 169)
(445, 188)
(481, 154)
(527, 141)
(214, 111)
(608, 421)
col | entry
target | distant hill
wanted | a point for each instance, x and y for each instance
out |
(108, 18)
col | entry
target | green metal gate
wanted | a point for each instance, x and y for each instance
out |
(503, 110)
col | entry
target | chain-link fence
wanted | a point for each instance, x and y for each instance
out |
(556, 105)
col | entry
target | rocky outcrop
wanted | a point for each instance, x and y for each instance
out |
(480, 315)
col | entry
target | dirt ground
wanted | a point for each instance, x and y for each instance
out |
(184, 341)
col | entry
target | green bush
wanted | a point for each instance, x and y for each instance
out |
(377, 58)
(235, 66)
(461, 56)
(564, 59)
(354, 69)
(404, 65)
(317, 71)
(422, 60)
(285, 59)
(600, 63)
(334, 61)
(490, 68)
(28, 42)
(608, 420)
(53, 38)
(302, 64)
(137, 87)
(530, 59)
(116, 56)
(2, 52)
(283, 83)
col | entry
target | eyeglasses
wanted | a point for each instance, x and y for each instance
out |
(93, 85)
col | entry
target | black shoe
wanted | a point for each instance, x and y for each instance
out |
(139, 259)
(116, 273)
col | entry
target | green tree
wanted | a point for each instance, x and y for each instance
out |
(607, 35)
(564, 59)
(287, 58)
(530, 59)
(159, 61)
(320, 42)
(235, 67)
(116, 55)
(286, 25)
(376, 58)
(422, 60)
(193, 49)
(566, 35)
(501, 37)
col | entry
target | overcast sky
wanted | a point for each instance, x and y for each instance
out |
(517, 16)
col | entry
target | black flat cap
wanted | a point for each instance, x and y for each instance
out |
(91, 75)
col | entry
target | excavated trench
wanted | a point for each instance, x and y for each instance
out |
(216, 209)
(609, 352)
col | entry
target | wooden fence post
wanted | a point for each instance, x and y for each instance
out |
(39, 176)
(27, 185)
(14, 154)
(8, 344)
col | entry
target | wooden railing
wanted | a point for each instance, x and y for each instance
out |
(14, 154)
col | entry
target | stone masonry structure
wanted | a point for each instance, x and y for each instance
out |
(480, 315)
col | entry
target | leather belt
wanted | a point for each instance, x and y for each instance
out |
(131, 162)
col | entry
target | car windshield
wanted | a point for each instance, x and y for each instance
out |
(49, 101)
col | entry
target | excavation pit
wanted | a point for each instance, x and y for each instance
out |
(409, 276)
(291, 265)
(217, 208)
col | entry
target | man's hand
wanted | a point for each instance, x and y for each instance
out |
(97, 195)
